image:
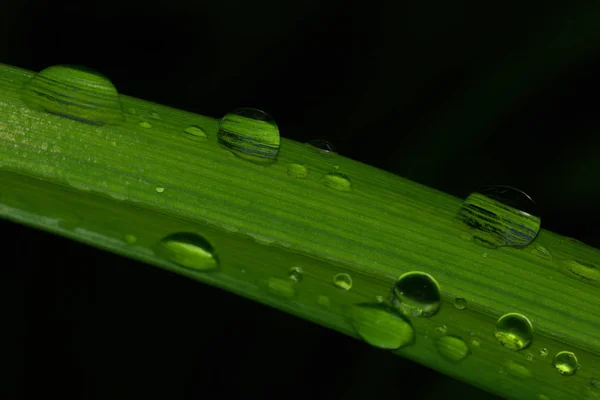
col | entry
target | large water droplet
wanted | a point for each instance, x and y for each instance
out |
(381, 326)
(280, 287)
(566, 363)
(295, 274)
(460, 303)
(517, 370)
(417, 294)
(501, 216)
(195, 132)
(452, 348)
(343, 281)
(322, 147)
(581, 270)
(514, 331)
(297, 171)
(189, 250)
(74, 92)
(337, 181)
(250, 134)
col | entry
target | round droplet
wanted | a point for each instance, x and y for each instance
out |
(517, 370)
(130, 239)
(460, 303)
(295, 274)
(343, 281)
(280, 287)
(514, 331)
(323, 147)
(566, 363)
(250, 134)
(441, 329)
(337, 181)
(189, 250)
(381, 326)
(417, 294)
(583, 271)
(160, 189)
(195, 132)
(501, 216)
(323, 301)
(543, 352)
(452, 348)
(297, 171)
(145, 124)
(76, 93)
(476, 342)
(529, 356)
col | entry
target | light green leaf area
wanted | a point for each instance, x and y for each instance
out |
(183, 202)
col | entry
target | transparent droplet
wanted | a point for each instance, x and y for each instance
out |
(250, 134)
(379, 299)
(583, 271)
(441, 329)
(131, 239)
(280, 287)
(195, 132)
(323, 301)
(566, 363)
(74, 92)
(543, 352)
(295, 274)
(417, 294)
(160, 189)
(297, 171)
(517, 370)
(381, 326)
(322, 147)
(337, 181)
(343, 281)
(460, 303)
(529, 356)
(501, 216)
(541, 252)
(514, 331)
(452, 348)
(189, 250)
(475, 342)
(145, 124)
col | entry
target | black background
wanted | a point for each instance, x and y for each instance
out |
(449, 94)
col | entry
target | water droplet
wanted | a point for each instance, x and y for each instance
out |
(195, 131)
(160, 189)
(338, 181)
(250, 134)
(501, 216)
(484, 255)
(155, 115)
(529, 356)
(476, 342)
(566, 363)
(189, 250)
(442, 329)
(145, 124)
(280, 287)
(514, 331)
(452, 348)
(323, 147)
(581, 270)
(295, 274)
(76, 93)
(460, 303)
(517, 370)
(381, 326)
(336, 167)
(541, 252)
(130, 239)
(417, 294)
(297, 171)
(379, 299)
(343, 281)
(543, 352)
(323, 301)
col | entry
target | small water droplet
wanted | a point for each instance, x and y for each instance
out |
(323, 301)
(529, 356)
(323, 147)
(343, 281)
(566, 363)
(295, 274)
(417, 294)
(297, 171)
(337, 181)
(476, 342)
(541, 252)
(484, 255)
(543, 352)
(130, 239)
(243, 270)
(452, 348)
(250, 134)
(379, 299)
(145, 124)
(160, 189)
(381, 326)
(336, 167)
(280, 287)
(501, 216)
(74, 92)
(517, 370)
(189, 250)
(514, 331)
(442, 329)
(582, 271)
(460, 303)
(195, 131)
(155, 115)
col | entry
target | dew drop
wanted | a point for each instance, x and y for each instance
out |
(131, 239)
(323, 301)
(517, 370)
(195, 132)
(529, 356)
(189, 250)
(379, 299)
(160, 189)
(460, 303)
(514, 331)
(145, 124)
(582, 271)
(501, 216)
(343, 281)
(442, 329)
(452, 348)
(295, 274)
(280, 287)
(476, 342)
(323, 147)
(337, 181)
(541, 252)
(417, 294)
(543, 352)
(297, 171)
(381, 326)
(250, 134)
(74, 92)
(566, 363)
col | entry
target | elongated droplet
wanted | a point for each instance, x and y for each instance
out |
(145, 124)
(189, 250)
(323, 147)
(514, 331)
(343, 281)
(381, 326)
(452, 348)
(295, 274)
(76, 93)
(566, 363)
(517, 370)
(583, 271)
(417, 294)
(337, 181)
(460, 303)
(250, 134)
(280, 287)
(297, 171)
(501, 216)
(195, 131)
(541, 252)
